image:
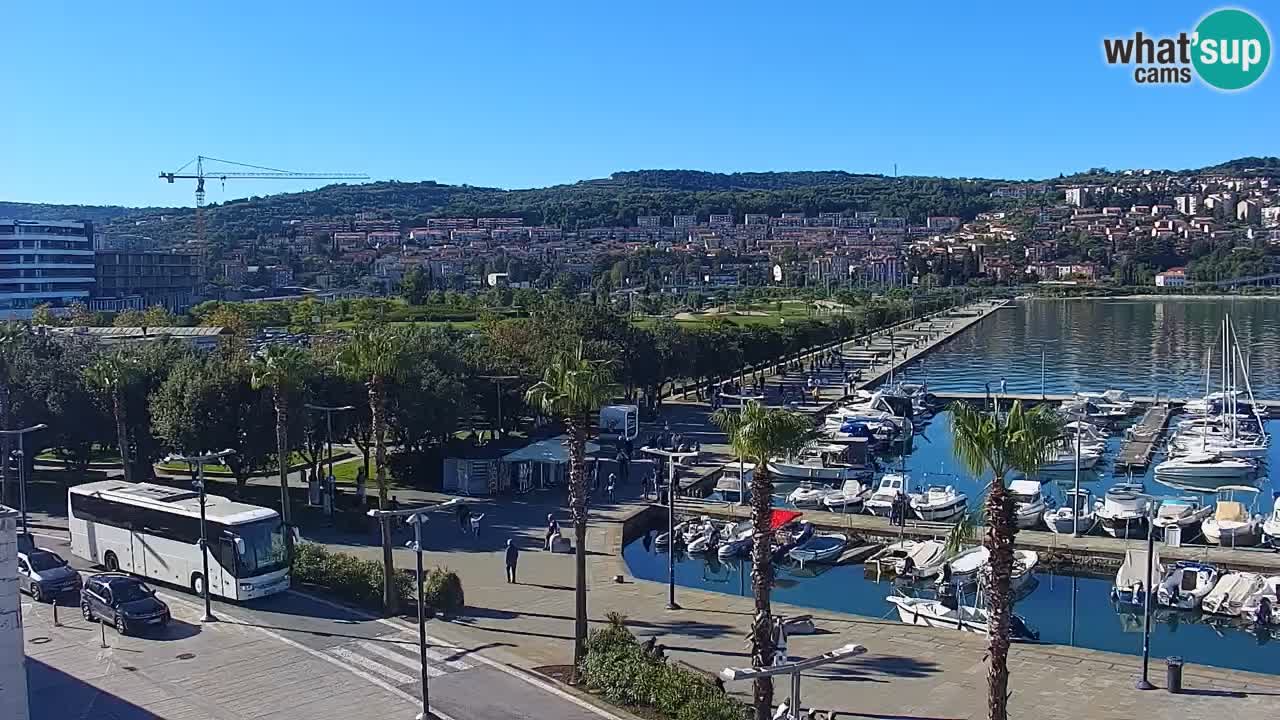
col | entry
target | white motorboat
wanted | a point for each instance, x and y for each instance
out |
(814, 469)
(968, 565)
(1029, 504)
(848, 497)
(891, 486)
(734, 483)
(809, 495)
(1232, 524)
(1025, 563)
(1228, 596)
(1088, 409)
(1063, 459)
(1271, 526)
(940, 503)
(1130, 587)
(821, 548)
(790, 537)
(663, 538)
(708, 538)
(1123, 511)
(1115, 400)
(1063, 520)
(1197, 444)
(1185, 513)
(737, 541)
(1204, 466)
(935, 613)
(1186, 585)
(1270, 591)
(923, 560)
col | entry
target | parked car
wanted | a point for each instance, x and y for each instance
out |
(45, 575)
(124, 601)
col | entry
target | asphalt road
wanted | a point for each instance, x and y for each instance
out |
(291, 655)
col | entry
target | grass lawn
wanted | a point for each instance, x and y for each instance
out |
(294, 459)
(98, 454)
(459, 324)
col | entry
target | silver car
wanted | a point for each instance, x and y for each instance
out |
(45, 575)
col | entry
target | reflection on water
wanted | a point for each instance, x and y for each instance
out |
(1065, 610)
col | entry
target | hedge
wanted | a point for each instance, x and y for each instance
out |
(347, 576)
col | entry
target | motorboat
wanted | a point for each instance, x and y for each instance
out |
(1111, 400)
(968, 618)
(809, 495)
(820, 462)
(1130, 587)
(924, 560)
(968, 565)
(1232, 524)
(939, 503)
(708, 538)
(885, 561)
(821, 548)
(1270, 590)
(1063, 458)
(1123, 510)
(1205, 442)
(1204, 466)
(1025, 563)
(1029, 503)
(1228, 596)
(1087, 409)
(1076, 514)
(737, 541)
(1271, 526)
(1185, 513)
(791, 537)
(664, 538)
(849, 497)
(734, 483)
(1186, 585)
(891, 487)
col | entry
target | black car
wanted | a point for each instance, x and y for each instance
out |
(125, 601)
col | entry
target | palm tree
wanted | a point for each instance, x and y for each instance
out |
(376, 356)
(986, 442)
(113, 375)
(757, 434)
(572, 389)
(281, 368)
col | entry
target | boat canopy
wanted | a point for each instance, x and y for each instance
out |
(778, 518)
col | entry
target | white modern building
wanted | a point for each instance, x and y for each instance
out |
(13, 667)
(43, 261)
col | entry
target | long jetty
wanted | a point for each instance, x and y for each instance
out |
(1140, 441)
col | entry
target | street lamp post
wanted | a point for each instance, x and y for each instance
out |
(1143, 682)
(418, 517)
(199, 461)
(672, 456)
(497, 380)
(22, 469)
(328, 424)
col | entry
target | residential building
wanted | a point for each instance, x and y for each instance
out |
(154, 277)
(44, 262)
(1187, 204)
(1270, 216)
(1248, 211)
(349, 241)
(683, 222)
(13, 668)
(1173, 277)
(499, 222)
(1079, 196)
(756, 219)
(942, 222)
(649, 221)
(720, 220)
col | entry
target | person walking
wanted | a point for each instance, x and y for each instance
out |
(512, 555)
(613, 482)
(464, 514)
(553, 530)
(475, 524)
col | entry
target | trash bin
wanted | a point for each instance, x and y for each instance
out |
(1173, 677)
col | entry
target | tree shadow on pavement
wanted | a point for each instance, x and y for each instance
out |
(867, 668)
(55, 695)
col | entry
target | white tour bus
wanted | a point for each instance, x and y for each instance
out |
(154, 531)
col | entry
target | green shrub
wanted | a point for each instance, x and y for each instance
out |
(347, 576)
(442, 590)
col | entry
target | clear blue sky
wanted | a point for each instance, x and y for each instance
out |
(99, 97)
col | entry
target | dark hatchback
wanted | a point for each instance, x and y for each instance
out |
(124, 601)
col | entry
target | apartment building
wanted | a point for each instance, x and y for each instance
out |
(44, 262)
(136, 279)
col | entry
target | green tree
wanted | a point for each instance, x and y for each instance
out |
(572, 389)
(757, 434)
(283, 369)
(43, 314)
(113, 374)
(989, 443)
(415, 286)
(376, 357)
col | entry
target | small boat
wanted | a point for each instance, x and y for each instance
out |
(848, 497)
(891, 486)
(822, 463)
(809, 495)
(967, 566)
(1232, 524)
(940, 503)
(1112, 400)
(1271, 527)
(1270, 592)
(1024, 567)
(664, 538)
(1029, 504)
(885, 561)
(935, 613)
(734, 484)
(1077, 513)
(924, 560)
(1185, 512)
(1123, 510)
(707, 538)
(738, 541)
(1063, 459)
(1228, 596)
(1204, 466)
(821, 548)
(1186, 585)
(792, 537)
(1130, 587)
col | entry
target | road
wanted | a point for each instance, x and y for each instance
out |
(289, 656)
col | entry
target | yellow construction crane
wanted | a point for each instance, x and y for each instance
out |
(251, 172)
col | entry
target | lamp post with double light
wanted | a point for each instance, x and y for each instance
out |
(20, 454)
(198, 462)
(672, 456)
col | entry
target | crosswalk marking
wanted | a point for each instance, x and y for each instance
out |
(443, 658)
(410, 662)
(376, 667)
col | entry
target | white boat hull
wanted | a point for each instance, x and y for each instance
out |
(1065, 525)
(1244, 535)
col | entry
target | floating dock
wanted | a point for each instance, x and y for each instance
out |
(1141, 440)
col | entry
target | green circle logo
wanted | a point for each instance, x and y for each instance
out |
(1232, 49)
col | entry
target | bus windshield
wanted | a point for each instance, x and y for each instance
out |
(264, 548)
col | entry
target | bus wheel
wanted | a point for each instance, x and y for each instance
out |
(110, 561)
(197, 584)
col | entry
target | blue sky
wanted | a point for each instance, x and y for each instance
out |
(100, 97)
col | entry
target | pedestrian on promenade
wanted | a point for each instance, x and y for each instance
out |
(595, 475)
(553, 530)
(513, 554)
(613, 482)
(624, 466)
(475, 524)
(464, 515)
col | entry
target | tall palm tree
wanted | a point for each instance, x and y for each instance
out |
(987, 443)
(572, 389)
(757, 434)
(281, 368)
(376, 356)
(112, 375)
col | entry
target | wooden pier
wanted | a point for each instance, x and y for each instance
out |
(1141, 440)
